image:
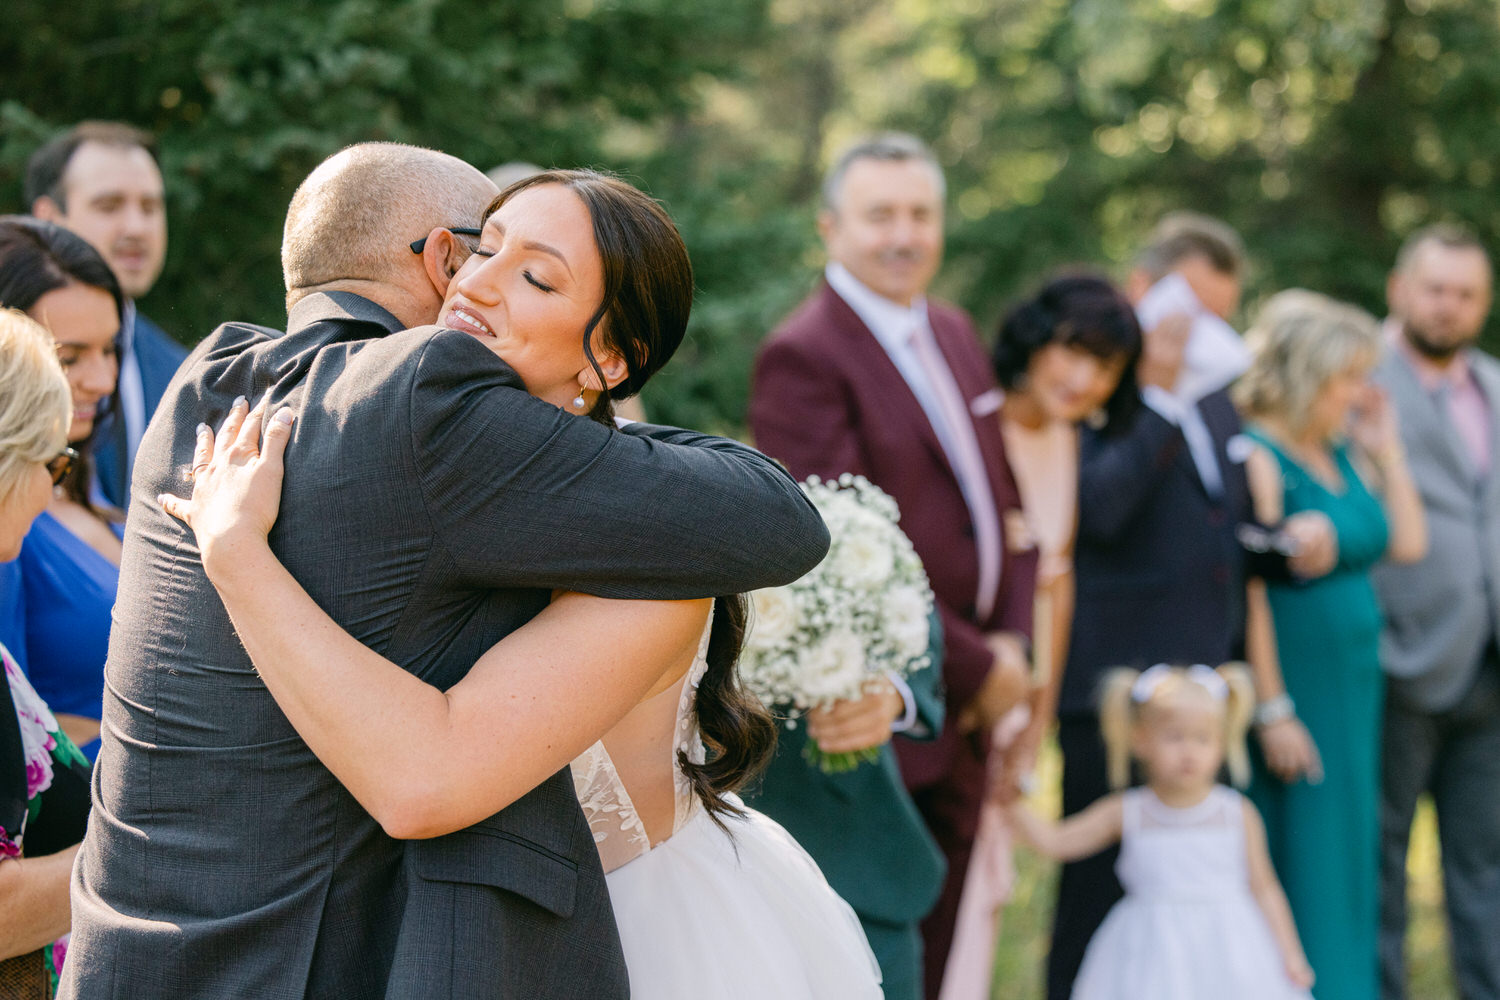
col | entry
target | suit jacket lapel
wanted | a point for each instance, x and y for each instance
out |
(868, 356)
(1424, 422)
(1488, 379)
(974, 384)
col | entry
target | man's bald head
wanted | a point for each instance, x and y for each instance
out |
(352, 218)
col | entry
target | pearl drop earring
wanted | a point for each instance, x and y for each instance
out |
(578, 402)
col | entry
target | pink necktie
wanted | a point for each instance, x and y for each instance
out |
(968, 465)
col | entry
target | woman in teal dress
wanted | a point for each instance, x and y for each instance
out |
(1327, 441)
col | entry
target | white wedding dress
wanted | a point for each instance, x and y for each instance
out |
(710, 915)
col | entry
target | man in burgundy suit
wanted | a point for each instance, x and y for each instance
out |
(870, 377)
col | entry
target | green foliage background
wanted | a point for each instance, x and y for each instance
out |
(1326, 130)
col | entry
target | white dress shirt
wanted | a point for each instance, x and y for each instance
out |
(131, 390)
(1186, 416)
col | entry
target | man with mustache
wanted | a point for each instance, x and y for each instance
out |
(1442, 710)
(871, 377)
(102, 181)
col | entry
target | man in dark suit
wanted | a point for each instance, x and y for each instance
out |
(430, 506)
(102, 181)
(1161, 575)
(868, 376)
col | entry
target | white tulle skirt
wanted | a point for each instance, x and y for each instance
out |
(1218, 949)
(706, 915)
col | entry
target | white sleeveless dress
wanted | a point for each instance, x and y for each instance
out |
(706, 915)
(1188, 927)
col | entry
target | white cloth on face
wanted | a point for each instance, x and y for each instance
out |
(1215, 354)
(905, 333)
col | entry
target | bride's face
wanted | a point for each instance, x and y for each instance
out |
(530, 289)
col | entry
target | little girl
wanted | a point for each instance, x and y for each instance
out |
(1203, 913)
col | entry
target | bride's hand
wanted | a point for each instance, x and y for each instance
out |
(236, 483)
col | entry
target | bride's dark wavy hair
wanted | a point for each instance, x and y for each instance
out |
(738, 731)
(648, 293)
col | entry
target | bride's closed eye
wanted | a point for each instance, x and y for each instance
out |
(533, 280)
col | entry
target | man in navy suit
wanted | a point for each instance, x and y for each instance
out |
(102, 181)
(1161, 575)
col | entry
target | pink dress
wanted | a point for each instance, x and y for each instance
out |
(1045, 463)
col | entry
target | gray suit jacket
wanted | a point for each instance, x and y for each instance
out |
(1441, 612)
(430, 506)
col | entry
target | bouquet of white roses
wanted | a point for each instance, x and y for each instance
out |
(858, 616)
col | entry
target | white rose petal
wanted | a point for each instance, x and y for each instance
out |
(774, 617)
(906, 621)
(865, 560)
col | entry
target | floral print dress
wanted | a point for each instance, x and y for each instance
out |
(44, 783)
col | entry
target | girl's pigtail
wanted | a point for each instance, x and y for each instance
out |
(1239, 707)
(1115, 711)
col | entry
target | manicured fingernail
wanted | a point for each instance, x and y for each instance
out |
(283, 416)
(205, 429)
(240, 401)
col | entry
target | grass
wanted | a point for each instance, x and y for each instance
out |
(1024, 934)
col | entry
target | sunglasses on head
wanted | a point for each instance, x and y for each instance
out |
(59, 467)
(418, 245)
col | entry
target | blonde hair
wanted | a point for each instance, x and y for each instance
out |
(1120, 713)
(354, 216)
(35, 404)
(1299, 341)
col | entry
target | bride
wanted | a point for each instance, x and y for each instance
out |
(712, 899)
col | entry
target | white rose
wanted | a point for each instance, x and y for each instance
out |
(865, 559)
(775, 616)
(906, 621)
(834, 668)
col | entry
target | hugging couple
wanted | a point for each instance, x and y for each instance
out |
(428, 689)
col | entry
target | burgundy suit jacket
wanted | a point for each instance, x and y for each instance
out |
(826, 400)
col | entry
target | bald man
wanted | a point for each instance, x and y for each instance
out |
(223, 860)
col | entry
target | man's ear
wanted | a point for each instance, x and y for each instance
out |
(826, 224)
(46, 209)
(442, 256)
(1393, 304)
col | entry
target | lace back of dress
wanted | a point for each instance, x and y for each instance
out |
(688, 740)
(619, 833)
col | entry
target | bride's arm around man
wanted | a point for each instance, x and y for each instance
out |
(431, 505)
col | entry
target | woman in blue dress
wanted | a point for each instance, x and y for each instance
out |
(1327, 441)
(69, 564)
